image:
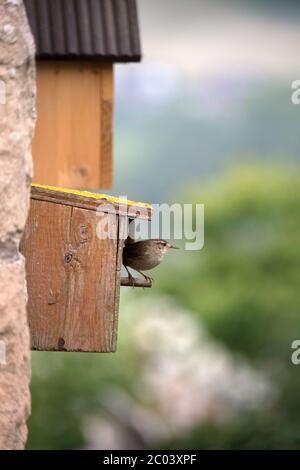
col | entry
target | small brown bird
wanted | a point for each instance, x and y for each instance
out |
(144, 255)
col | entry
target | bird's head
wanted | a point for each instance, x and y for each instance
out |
(164, 246)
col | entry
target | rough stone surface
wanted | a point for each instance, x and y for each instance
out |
(17, 119)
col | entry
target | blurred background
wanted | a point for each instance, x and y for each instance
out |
(204, 357)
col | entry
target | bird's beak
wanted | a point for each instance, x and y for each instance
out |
(175, 247)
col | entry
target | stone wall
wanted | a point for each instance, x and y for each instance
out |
(17, 120)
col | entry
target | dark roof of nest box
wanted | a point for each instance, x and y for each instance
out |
(104, 30)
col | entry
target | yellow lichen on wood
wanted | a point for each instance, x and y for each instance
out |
(112, 199)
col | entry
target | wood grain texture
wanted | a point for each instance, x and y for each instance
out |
(44, 245)
(90, 325)
(106, 168)
(73, 140)
(119, 260)
(71, 277)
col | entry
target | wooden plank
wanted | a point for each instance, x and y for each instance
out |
(44, 245)
(106, 167)
(44, 146)
(121, 238)
(90, 201)
(90, 325)
(70, 278)
(67, 143)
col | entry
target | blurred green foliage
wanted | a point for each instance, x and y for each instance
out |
(244, 285)
(67, 388)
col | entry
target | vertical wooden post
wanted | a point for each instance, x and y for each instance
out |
(106, 168)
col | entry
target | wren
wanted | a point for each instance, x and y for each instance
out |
(144, 255)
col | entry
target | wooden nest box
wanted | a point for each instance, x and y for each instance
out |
(73, 276)
(77, 44)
